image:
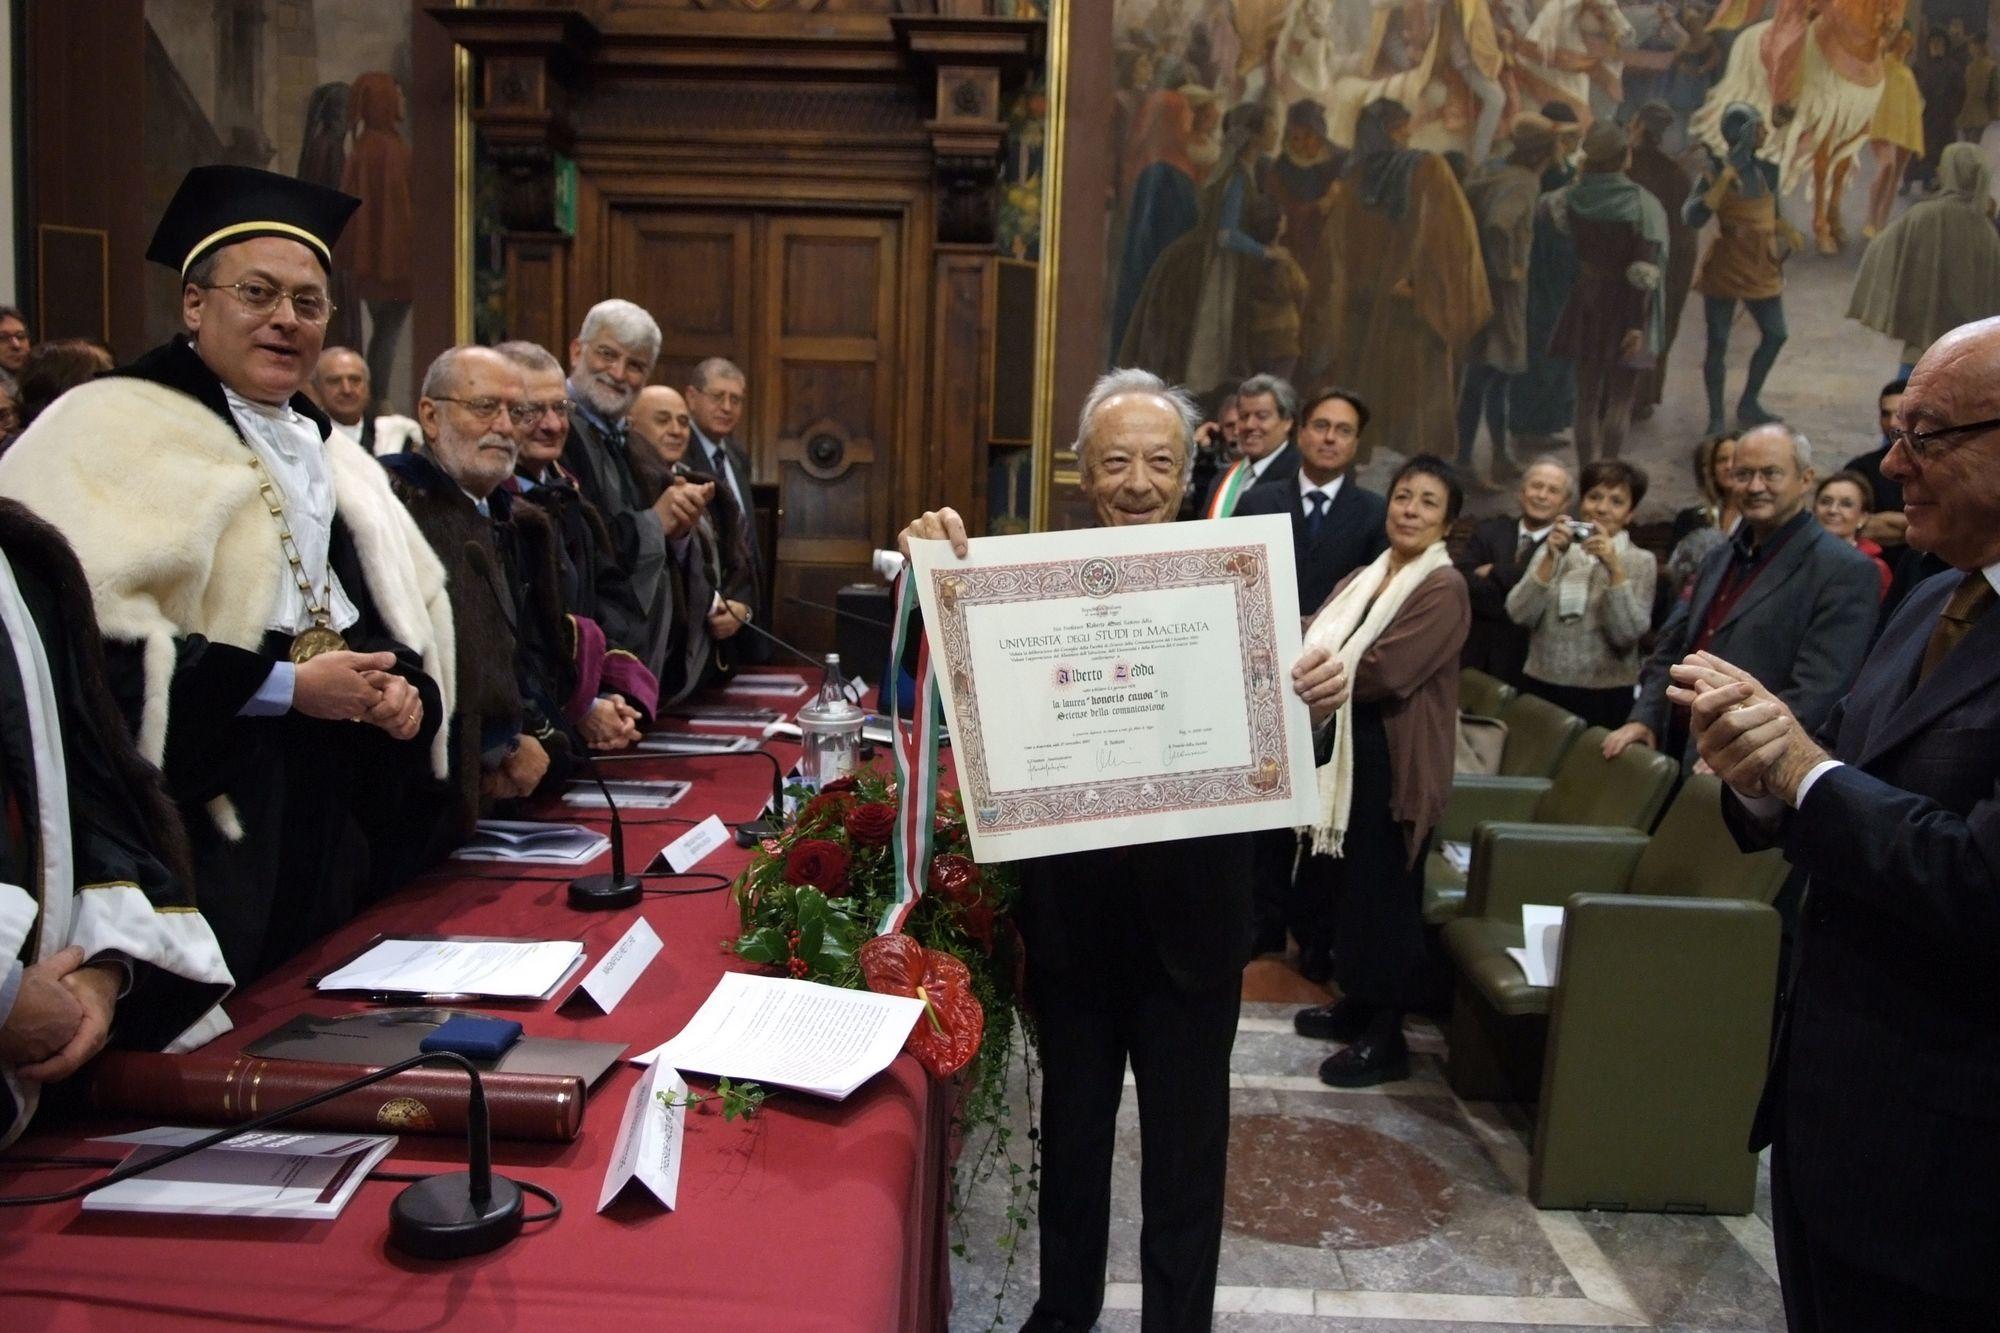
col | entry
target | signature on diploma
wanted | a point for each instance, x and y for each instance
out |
(1174, 751)
(1110, 757)
(1046, 768)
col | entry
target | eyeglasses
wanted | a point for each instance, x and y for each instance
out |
(1772, 476)
(559, 406)
(607, 357)
(261, 298)
(486, 409)
(1925, 445)
(722, 399)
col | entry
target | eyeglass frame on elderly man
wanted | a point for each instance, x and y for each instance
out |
(1922, 444)
(278, 294)
(485, 410)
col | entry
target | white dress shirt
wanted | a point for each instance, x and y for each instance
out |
(290, 448)
(1331, 489)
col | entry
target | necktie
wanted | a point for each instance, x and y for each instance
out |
(1522, 549)
(1974, 596)
(1316, 512)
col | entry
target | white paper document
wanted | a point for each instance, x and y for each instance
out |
(501, 969)
(791, 1034)
(270, 1174)
(682, 742)
(746, 685)
(1457, 855)
(688, 850)
(526, 842)
(648, 1149)
(630, 793)
(1541, 933)
(1113, 686)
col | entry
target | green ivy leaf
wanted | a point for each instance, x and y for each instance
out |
(812, 916)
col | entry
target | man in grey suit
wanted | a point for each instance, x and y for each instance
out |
(1883, 1100)
(1785, 599)
(716, 401)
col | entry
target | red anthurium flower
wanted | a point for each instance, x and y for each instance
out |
(948, 1034)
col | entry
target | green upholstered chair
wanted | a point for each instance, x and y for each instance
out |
(1647, 1056)
(1539, 734)
(1627, 792)
(1482, 695)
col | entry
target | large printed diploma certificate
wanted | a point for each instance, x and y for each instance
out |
(1121, 685)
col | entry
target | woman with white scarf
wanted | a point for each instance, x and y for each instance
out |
(1397, 626)
(1588, 600)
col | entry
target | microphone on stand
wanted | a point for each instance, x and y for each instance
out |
(602, 893)
(446, 1216)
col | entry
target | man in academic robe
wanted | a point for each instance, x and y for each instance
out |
(340, 385)
(515, 667)
(610, 359)
(99, 937)
(1407, 288)
(278, 632)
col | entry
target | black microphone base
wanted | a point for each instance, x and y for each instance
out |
(603, 893)
(438, 1219)
(754, 832)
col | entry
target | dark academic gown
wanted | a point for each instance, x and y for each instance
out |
(594, 585)
(123, 829)
(332, 812)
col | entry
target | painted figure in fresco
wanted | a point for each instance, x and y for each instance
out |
(1814, 73)
(323, 161)
(1744, 262)
(1669, 183)
(1164, 204)
(1502, 196)
(1572, 48)
(1541, 401)
(1190, 321)
(1941, 83)
(1612, 325)
(1300, 178)
(1896, 135)
(1402, 289)
(376, 248)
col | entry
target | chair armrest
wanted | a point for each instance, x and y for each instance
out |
(1476, 798)
(1513, 864)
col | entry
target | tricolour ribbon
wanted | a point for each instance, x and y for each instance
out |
(916, 761)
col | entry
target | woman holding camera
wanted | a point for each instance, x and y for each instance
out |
(1587, 601)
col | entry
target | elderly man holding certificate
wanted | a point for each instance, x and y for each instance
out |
(1070, 662)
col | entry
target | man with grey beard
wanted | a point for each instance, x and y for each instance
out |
(610, 360)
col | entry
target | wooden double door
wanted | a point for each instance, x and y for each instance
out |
(811, 306)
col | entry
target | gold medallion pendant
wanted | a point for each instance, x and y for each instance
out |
(319, 639)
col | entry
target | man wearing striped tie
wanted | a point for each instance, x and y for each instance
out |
(1265, 408)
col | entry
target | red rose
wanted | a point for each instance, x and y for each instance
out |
(845, 782)
(820, 863)
(871, 825)
(954, 878)
(826, 805)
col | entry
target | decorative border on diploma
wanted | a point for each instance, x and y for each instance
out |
(1266, 777)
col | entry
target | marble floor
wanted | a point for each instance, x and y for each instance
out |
(1400, 1208)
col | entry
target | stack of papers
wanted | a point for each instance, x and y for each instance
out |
(782, 1033)
(1541, 929)
(501, 969)
(681, 742)
(725, 715)
(533, 844)
(630, 793)
(268, 1174)
(765, 683)
(1457, 855)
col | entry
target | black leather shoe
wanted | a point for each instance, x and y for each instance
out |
(1039, 1322)
(1366, 1063)
(1343, 1020)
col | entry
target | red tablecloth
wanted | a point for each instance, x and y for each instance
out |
(813, 1215)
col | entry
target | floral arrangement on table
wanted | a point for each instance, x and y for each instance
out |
(811, 900)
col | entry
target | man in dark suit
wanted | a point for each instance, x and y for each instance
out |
(1495, 556)
(1881, 1103)
(715, 402)
(1337, 527)
(1785, 599)
(1266, 407)
(1137, 953)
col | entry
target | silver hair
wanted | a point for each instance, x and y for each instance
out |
(1114, 383)
(1281, 390)
(636, 330)
(717, 368)
(442, 377)
(1802, 448)
(326, 352)
(529, 356)
(1550, 460)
